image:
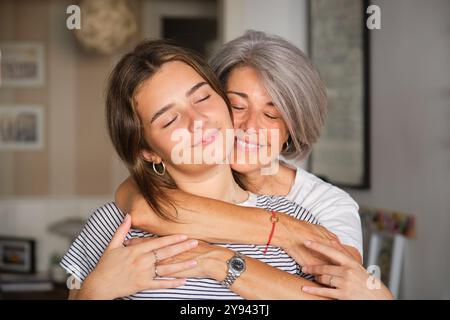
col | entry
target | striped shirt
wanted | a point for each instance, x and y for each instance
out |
(86, 250)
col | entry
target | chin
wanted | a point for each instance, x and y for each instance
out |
(245, 168)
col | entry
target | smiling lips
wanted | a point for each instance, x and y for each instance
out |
(247, 145)
(208, 138)
(241, 143)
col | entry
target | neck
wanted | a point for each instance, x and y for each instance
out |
(276, 184)
(216, 182)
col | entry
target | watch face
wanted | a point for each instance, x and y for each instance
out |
(238, 264)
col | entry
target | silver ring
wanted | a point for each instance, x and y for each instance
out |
(156, 256)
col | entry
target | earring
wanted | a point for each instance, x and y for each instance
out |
(157, 172)
(287, 144)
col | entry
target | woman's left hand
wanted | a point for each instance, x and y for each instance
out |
(205, 254)
(346, 279)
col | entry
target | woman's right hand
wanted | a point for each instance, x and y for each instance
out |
(122, 271)
(293, 233)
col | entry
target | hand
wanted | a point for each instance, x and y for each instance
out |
(122, 271)
(346, 279)
(293, 233)
(211, 261)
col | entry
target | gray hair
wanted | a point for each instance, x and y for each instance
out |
(289, 78)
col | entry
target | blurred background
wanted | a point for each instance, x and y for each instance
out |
(57, 164)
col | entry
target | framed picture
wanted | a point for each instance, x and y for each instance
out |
(21, 127)
(339, 48)
(17, 255)
(22, 65)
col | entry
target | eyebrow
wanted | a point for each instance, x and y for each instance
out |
(240, 94)
(195, 88)
(170, 105)
(245, 96)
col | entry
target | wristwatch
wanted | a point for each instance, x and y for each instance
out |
(236, 266)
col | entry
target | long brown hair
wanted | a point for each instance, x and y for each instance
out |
(125, 126)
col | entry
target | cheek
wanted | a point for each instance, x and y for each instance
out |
(220, 113)
(238, 119)
(160, 141)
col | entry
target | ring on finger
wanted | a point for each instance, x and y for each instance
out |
(156, 273)
(330, 282)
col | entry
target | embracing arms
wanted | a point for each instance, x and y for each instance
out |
(199, 218)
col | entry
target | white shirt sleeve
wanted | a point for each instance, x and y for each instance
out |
(333, 207)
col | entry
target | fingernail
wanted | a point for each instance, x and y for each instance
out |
(308, 243)
(193, 243)
(305, 288)
(183, 237)
(192, 263)
(305, 269)
(126, 242)
(180, 283)
(127, 216)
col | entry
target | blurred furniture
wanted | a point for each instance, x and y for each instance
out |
(59, 292)
(386, 234)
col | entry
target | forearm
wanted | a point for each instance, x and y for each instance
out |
(262, 281)
(200, 218)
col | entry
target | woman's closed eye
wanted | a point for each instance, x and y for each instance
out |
(203, 99)
(170, 122)
(237, 107)
(270, 116)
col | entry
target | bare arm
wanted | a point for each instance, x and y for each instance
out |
(261, 281)
(258, 281)
(198, 217)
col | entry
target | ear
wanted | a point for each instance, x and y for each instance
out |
(150, 156)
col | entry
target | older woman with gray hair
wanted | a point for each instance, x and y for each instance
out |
(272, 85)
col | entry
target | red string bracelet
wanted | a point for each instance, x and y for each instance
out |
(274, 219)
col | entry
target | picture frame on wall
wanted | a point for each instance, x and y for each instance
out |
(21, 128)
(22, 64)
(17, 255)
(339, 49)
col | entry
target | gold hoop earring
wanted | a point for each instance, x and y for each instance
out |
(157, 172)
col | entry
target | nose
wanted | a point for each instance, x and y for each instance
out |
(196, 119)
(249, 122)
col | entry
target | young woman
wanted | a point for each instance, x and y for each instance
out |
(155, 91)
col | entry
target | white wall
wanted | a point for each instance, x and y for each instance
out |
(411, 135)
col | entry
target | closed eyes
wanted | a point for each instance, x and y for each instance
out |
(170, 122)
(203, 99)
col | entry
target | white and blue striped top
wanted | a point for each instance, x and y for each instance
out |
(86, 250)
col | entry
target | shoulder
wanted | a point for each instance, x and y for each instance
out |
(93, 239)
(314, 193)
(284, 205)
(108, 215)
